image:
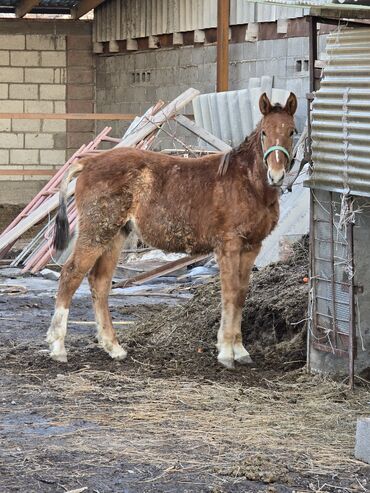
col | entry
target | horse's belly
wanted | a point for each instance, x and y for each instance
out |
(171, 235)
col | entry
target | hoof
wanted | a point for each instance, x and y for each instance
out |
(245, 360)
(118, 353)
(61, 357)
(227, 363)
(58, 352)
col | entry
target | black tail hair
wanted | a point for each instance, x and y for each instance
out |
(61, 232)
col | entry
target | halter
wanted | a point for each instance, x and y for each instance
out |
(276, 148)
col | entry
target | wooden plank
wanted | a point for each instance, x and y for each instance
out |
(215, 142)
(223, 22)
(25, 6)
(67, 116)
(161, 117)
(84, 7)
(160, 271)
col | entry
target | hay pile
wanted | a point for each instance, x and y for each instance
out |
(273, 322)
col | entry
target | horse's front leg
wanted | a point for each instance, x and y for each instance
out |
(235, 267)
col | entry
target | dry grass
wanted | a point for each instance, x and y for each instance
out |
(294, 425)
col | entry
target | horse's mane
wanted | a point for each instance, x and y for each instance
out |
(246, 146)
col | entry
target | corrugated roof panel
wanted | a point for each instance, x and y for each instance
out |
(341, 116)
(140, 18)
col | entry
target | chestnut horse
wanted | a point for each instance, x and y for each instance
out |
(226, 205)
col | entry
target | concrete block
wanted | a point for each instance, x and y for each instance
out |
(80, 76)
(24, 59)
(199, 36)
(50, 274)
(252, 32)
(12, 141)
(11, 106)
(60, 75)
(79, 59)
(39, 141)
(153, 42)
(362, 447)
(60, 107)
(16, 193)
(4, 58)
(250, 51)
(113, 47)
(79, 42)
(282, 26)
(54, 125)
(52, 157)
(78, 91)
(4, 157)
(60, 140)
(12, 41)
(23, 91)
(98, 48)
(24, 156)
(43, 75)
(178, 39)
(53, 59)
(131, 44)
(236, 51)
(26, 125)
(4, 91)
(38, 107)
(5, 125)
(52, 91)
(42, 42)
(11, 74)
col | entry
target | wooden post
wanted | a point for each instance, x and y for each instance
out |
(223, 22)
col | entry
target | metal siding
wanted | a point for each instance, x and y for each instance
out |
(121, 19)
(341, 116)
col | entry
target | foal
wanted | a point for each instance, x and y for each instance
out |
(226, 205)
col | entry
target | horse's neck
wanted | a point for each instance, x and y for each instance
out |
(257, 172)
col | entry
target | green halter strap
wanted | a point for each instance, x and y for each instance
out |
(276, 148)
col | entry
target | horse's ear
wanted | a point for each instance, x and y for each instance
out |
(265, 105)
(291, 104)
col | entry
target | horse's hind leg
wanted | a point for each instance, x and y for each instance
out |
(235, 267)
(73, 272)
(100, 279)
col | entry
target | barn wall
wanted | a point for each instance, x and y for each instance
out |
(131, 82)
(46, 67)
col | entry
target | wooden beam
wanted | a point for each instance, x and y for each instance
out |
(223, 22)
(25, 6)
(203, 134)
(67, 116)
(84, 7)
(160, 271)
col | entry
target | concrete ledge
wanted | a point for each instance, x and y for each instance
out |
(362, 448)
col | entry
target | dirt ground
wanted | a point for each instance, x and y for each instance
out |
(169, 418)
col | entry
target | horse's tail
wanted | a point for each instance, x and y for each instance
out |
(61, 234)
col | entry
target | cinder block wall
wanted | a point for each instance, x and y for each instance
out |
(131, 82)
(46, 67)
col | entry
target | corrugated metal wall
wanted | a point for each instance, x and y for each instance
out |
(122, 19)
(341, 116)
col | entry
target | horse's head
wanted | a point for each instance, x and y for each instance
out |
(277, 130)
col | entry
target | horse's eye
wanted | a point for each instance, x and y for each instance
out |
(263, 133)
(292, 133)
